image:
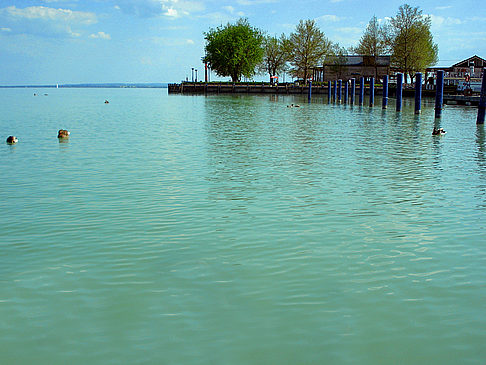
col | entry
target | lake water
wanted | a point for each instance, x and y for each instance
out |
(179, 229)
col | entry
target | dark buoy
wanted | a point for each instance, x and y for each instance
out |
(438, 132)
(107, 102)
(12, 140)
(62, 133)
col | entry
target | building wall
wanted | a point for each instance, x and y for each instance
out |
(345, 72)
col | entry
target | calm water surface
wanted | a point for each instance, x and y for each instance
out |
(176, 229)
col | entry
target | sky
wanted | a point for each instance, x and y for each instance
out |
(146, 41)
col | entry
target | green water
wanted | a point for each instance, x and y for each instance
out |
(176, 229)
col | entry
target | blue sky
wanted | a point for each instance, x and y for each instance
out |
(77, 41)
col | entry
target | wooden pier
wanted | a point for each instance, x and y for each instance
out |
(291, 88)
(242, 88)
(281, 88)
(461, 100)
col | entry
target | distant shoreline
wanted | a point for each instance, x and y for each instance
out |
(110, 85)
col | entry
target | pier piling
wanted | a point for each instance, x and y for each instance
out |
(372, 91)
(385, 92)
(418, 92)
(439, 93)
(482, 101)
(334, 91)
(399, 91)
(361, 90)
(329, 87)
(346, 91)
(309, 92)
(353, 90)
(339, 90)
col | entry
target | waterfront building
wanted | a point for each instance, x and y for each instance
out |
(355, 66)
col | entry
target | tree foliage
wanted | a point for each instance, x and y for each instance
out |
(413, 48)
(307, 48)
(275, 56)
(234, 50)
(373, 42)
(337, 59)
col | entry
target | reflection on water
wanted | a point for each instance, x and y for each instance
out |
(481, 162)
(253, 231)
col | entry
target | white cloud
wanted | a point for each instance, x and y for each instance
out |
(443, 7)
(100, 35)
(336, 1)
(172, 42)
(352, 30)
(49, 14)
(171, 12)
(153, 8)
(478, 19)
(255, 2)
(231, 10)
(218, 18)
(329, 18)
(5, 29)
(45, 21)
(439, 21)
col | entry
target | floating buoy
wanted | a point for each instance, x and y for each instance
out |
(62, 133)
(107, 102)
(438, 132)
(12, 140)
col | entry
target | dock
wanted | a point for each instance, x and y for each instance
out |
(242, 88)
(266, 88)
(293, 89)
(461, 100)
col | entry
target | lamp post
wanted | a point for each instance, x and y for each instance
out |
(192, 68)
(196, 75)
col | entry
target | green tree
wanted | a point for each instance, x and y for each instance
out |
(275, 56)
(413, 47)
(337, 59)
(307, 47)
(234, 50)
(373, 42)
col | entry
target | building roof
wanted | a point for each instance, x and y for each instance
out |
(361, 60)
(467, 62)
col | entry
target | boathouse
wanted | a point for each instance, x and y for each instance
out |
(348, 67)
(470, 69)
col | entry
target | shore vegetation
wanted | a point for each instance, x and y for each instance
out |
(241, 50)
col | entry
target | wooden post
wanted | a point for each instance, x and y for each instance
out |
(399, 91)
(339, 90)
(310, 91)
(361, 90)
(346, 91)
(353, 90)
(482, 101)
(439, 94)
(372, 91)
(418, 92)
(334, 91)
(329, 87)
(385, 92)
